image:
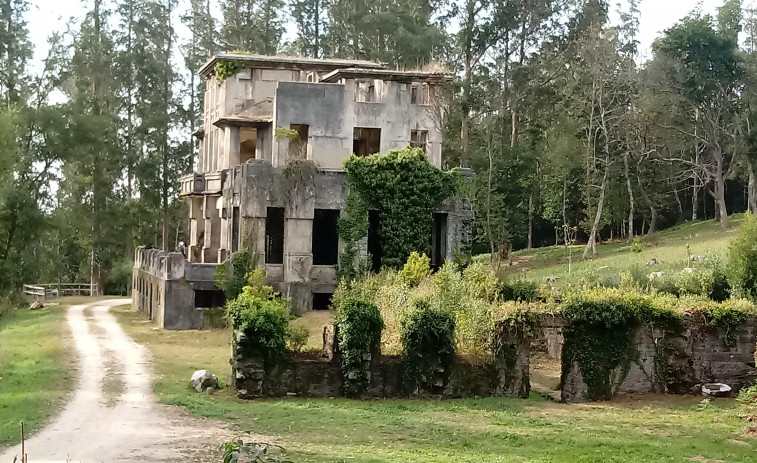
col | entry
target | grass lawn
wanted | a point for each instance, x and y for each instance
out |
(646, 429)
(37, 370)
(669, 246)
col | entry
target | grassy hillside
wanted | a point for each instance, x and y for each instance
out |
(668, 247)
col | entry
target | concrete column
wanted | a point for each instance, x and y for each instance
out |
(196, 228)
(231, 146)
(224, 246)
(263, 145)
(212, 241)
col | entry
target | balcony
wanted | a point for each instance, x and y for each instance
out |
(201, 184)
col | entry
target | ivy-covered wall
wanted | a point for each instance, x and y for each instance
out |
(627, 343)
(324, 375)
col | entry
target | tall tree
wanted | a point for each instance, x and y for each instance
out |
(705, 69)
(255, 26)
(311, 19)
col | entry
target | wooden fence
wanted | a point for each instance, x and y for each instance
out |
(44, 291)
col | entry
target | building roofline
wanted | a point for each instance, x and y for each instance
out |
(388, 74)
(243, 121)
(292, 62)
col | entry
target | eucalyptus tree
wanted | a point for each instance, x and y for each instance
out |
(704, 68)
(255, 26)
(91, 176)
(311, 20)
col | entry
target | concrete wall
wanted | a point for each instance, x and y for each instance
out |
(678, 364)
(331, 112)
(300, 189)
(164, 285)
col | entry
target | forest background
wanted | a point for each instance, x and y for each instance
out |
(575, 133)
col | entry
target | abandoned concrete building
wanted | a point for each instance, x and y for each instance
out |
(273, 114)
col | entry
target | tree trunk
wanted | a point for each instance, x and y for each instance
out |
(653, 220)
(720, 200)
(489, 208)
(565, 211)
(592, 243)
(752, 188)
(468, 62)
(531, 221)
(98, 190)
(695, 201)
(631, 204)
(681, 217)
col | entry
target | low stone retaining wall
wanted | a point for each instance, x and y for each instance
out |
(675, 363)
(320, 374)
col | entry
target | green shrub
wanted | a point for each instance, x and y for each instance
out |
(428, 339)
(728, 316)
(742, 259)
(297, 337)
(721, 288)
(231, 276)
(519, 291)
(416, 268)
(119, 278)
(359, 327)
(665, 284)
(264, 322)
(748, 395)
(637, 245)
(608, 280)
(481, 282)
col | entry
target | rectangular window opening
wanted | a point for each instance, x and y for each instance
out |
(274, 235)
(419, 94)
(366, 141)
(419, 139)
(439, 240)
(248, 138)
(322, 301)
(325, 237)
(298, 146)
(209, 298)
(365, 91)
(235, 230)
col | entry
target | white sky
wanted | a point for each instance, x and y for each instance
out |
(656, 16)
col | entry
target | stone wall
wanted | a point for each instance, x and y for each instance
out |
(678, 364)
(320, 374)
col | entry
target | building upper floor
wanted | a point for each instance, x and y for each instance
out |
(281, 108)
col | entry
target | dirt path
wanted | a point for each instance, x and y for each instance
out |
(113, 415)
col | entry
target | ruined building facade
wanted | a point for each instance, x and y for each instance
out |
(269, 175)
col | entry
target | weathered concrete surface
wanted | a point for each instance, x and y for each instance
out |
(132, 426)
(164, 285)
(320, 375)
(679, 363)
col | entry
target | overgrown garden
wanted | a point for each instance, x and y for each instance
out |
(429, 319)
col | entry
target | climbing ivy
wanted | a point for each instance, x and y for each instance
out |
(405, 189)
(352, 228)
(727, 317)
(227, 68)
(601, 335)
(231, 276)
(428, 338)
(359, 325)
